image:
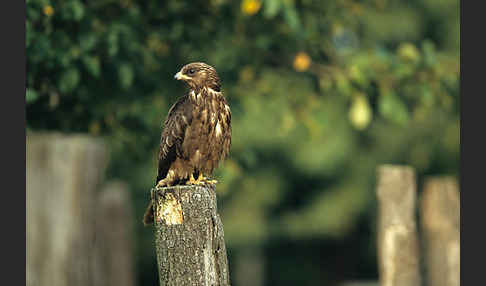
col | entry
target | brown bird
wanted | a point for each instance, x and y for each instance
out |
(197, 132)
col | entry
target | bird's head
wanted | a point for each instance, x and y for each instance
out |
(199, 75)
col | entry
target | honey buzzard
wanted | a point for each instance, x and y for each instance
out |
(197, 132)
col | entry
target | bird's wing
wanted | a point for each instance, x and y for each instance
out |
(179, 117)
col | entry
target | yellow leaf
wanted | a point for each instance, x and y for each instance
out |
(408, 52)
(250, 7)
(302, 62)
(48, 10)
(360, 112)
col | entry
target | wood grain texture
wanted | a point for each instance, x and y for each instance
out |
(440, 220)
(63, 174)
(398, 251)
(190, 248)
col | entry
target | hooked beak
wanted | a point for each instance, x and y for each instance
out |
(178, 76)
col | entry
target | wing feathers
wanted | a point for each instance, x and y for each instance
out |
(179, 117)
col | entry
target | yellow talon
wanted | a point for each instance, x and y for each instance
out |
(200, 179)
(191, 180)
(204, 180)
(161, 184)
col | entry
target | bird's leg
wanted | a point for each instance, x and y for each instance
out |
(200, 179)
(167, 181)
(191, 180)
(161, 183)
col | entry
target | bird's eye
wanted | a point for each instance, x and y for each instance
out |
(191, 71)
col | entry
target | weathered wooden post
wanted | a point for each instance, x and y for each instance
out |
(189, 237)
(398, 251)
(440, 217)
(114, 249)
(63, 173)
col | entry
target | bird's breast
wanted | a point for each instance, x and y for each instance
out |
(206, 136)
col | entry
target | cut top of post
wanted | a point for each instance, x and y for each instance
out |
(396, 186)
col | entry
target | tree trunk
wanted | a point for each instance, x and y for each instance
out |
(189, 237)
(63, 173)
(440, 216)
(398, 251)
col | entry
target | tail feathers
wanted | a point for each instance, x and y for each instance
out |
(148, 217)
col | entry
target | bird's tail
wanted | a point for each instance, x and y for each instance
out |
(148, 217)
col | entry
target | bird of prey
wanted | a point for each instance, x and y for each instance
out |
(197, 132)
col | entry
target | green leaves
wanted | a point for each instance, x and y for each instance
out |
(125, 75)
(88, 42)
(393, 108)
(69, 80)
(92, 65)
(272, 7)
(112, 42)
(430, 55)
(31, 95)
(291, 16)
(73, 10)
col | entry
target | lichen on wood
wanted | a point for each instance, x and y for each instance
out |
(189, 236)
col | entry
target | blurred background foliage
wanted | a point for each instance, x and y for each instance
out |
(321, 93)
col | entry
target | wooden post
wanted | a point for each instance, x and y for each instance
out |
(114, 230)
(398, 251)
(189, 237)
(63, 173)
(440, 217)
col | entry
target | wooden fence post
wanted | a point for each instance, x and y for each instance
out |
(189, 237)
(440, 217)
(114, 230)
(63, 173)
(398, 251)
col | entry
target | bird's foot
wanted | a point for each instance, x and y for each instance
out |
(204, 180)
(200, 180)
(162, 183)
(191, 180)
(208, 181)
